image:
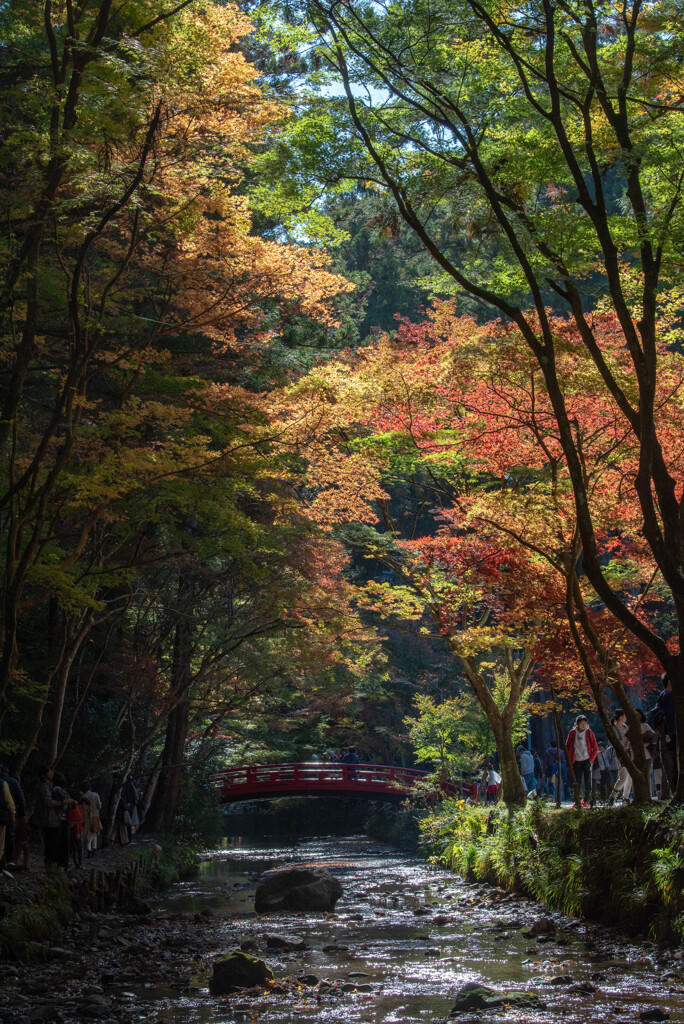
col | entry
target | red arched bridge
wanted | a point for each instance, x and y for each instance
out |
(363, 781)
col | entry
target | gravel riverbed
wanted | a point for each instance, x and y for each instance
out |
(404, 942)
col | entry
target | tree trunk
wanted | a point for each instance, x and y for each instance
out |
(514, 793)
(676, 674)
(76, 636)
(165, 802)
(147, 797)
(559, 748)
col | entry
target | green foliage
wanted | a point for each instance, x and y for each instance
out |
(453, 735)
(620, 865)
(172, 862)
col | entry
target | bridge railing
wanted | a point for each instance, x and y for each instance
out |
(317, 773)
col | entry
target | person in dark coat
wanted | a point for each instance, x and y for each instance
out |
(46, 815)
(351, 758)
(60, 789)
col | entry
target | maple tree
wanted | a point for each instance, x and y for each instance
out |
(461, 411)
(333, 411)
(135, 298)
(491, 394)
(550, 134)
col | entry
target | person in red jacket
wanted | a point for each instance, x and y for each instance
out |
(582, 749)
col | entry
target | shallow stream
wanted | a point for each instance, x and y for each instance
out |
(404, 938)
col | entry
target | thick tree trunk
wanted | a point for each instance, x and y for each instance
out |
(161, 816)
(513, 788)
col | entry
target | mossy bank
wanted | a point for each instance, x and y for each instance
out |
(622, 866)
(34, 909)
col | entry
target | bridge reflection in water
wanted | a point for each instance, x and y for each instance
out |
(362, 781)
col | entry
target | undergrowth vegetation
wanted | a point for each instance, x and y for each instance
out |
(622, 865)
(174, 862)
(34, 911)
(29, 915)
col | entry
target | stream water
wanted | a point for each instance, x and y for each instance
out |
(404, 938)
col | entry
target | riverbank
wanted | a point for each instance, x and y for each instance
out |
(623, 866)
(36, 907)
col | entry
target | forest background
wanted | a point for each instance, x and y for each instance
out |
(274, 476)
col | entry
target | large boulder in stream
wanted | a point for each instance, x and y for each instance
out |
(238, 970)
(478, 997)
(298, 888)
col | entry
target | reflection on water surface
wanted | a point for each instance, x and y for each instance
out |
(412, 936)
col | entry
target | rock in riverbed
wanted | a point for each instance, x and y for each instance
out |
(543, 926)
(298, 888)
(478, 997)
(238, 970)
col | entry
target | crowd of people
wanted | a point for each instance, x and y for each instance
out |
(66, 816)
(595, 768)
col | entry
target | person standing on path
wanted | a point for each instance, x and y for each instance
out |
(610, 757)
(552, 760)
(602, 763)
(131, 798)
(648, 738)
(582, 749)
(351, 758)
(75, 820)
(46, 816)
(92, 818)
(527, 770)
(623, 786)
(60, 790)
(493, 783)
